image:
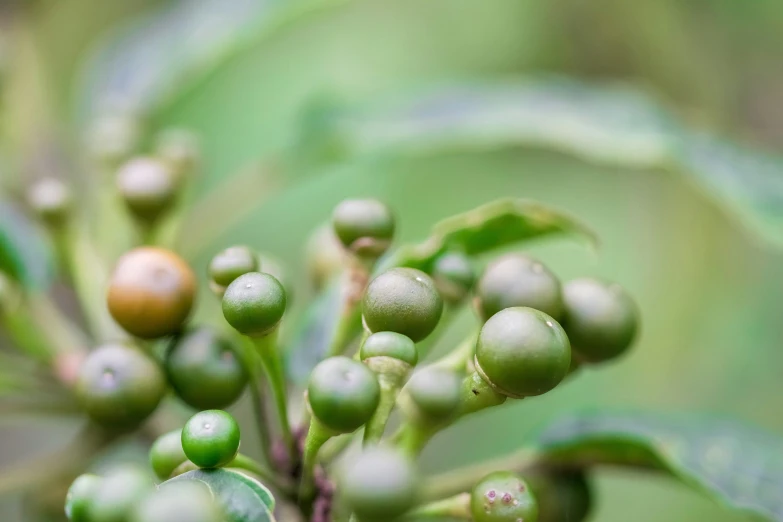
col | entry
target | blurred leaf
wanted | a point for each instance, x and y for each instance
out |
(608, 124)
(738, 465)
(25, 254)
(488, 227)
(244, 499)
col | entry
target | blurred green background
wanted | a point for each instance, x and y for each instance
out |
(709, 288)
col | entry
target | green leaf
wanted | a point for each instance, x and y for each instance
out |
(25, 255)
(739, 465)
(488, 227)
(612, 125)
(243, 499)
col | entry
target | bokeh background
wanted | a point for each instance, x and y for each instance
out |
(257, 79)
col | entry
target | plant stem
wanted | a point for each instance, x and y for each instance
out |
(390, 389)
(349, 324)
(457, 506)
(477, 394)
(412, 438)
(317, 435)
(259, 410)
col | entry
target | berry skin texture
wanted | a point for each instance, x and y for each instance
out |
(390, 344)
(562, 496)
(166, 454)
(343, 394)
(50, 198)
(518, 280)
(148, 187)
(231, 263)
(379, 485)
(454, 276)
(503, 497)
(402, 300)
(600, 318)
(151, 292)
(204, 370)
(79, 498)
(254, 303)
(120, 385)
(522, 352)
(435, 394)
(210, 438)
(364, 226)
(189, 501)
(118, 494)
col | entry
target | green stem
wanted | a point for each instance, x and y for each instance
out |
(349, 324)
(412, 438)
(390, 389)
(477, 394)
(269, 356)
(457, 506)
(457, 360)
(317, 435)
(259, 410)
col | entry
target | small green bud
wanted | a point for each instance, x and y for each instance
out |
(79, 498)
(148, 187)
(402, 300)
(517, 280)
(179, 501)
(166, 454)
(210, 439)
(342, 394)
(254, 303)
(432, 395)
(503, 497)
(51, 199)
(454, 276)
(364, 226)
(379, 485)
(522, 352)
(229, 264)
(118, 494)
(600, 318)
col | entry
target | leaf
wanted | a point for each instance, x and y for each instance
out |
(243, 499)
(25, 255)
(739, 465)
(488, 227)
(613, 125)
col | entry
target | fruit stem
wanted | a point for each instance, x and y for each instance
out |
(264, 473)
(457, 507)
(317, 435)
(259, 409)
(354, 282)
(411, 438)
(477, 394)
(390, 389)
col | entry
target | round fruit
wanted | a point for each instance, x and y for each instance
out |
(379, 485)
(166, 454)
(231, 263)
(210, 439)
(389, 344)
(120, 385)
(151, 292)
(179, 501)
(503, 497)
(517, 280)
(454, 276)
(435, 394)
(204, 370)
(562, 496)
(147, 186)
(364, 226)
(343, 394)
(600, 318)
(50, 198)
(118, 494)
(522, 352)
(79, 498)
(402, 300)
(254, 303)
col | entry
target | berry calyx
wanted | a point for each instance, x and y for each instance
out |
(210, 438)
(364, 226)
(254, 303)
(503, 497)
(522, 352)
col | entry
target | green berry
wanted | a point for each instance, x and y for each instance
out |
(231, 263)
(600, 318)
(80, 496)
(254, 303)
(343, 394)
(151, 292)
(364, 226)
(389, 344)
(503, 497)
(325, 256)
(210, 439)
(179, 501)
(118, 494)
(180, 150)
(517, 280)
(166, 454)
(522, 352)
(148, 187)
(562, 496)
(434, 395)
(50, 198)
(119, 385)
(204, 370)
(379, 485)
(402, 300)
(454, 276)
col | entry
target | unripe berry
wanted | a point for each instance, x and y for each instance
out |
(432, 395)
(454, 276)
(210, 438)
(254, 303)
(118, 494)
(50, 198)
(364, 226)
(166, 454)
(390, 345)
(231, 263)
(79, 498)
(503, 497)
(148, 187)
